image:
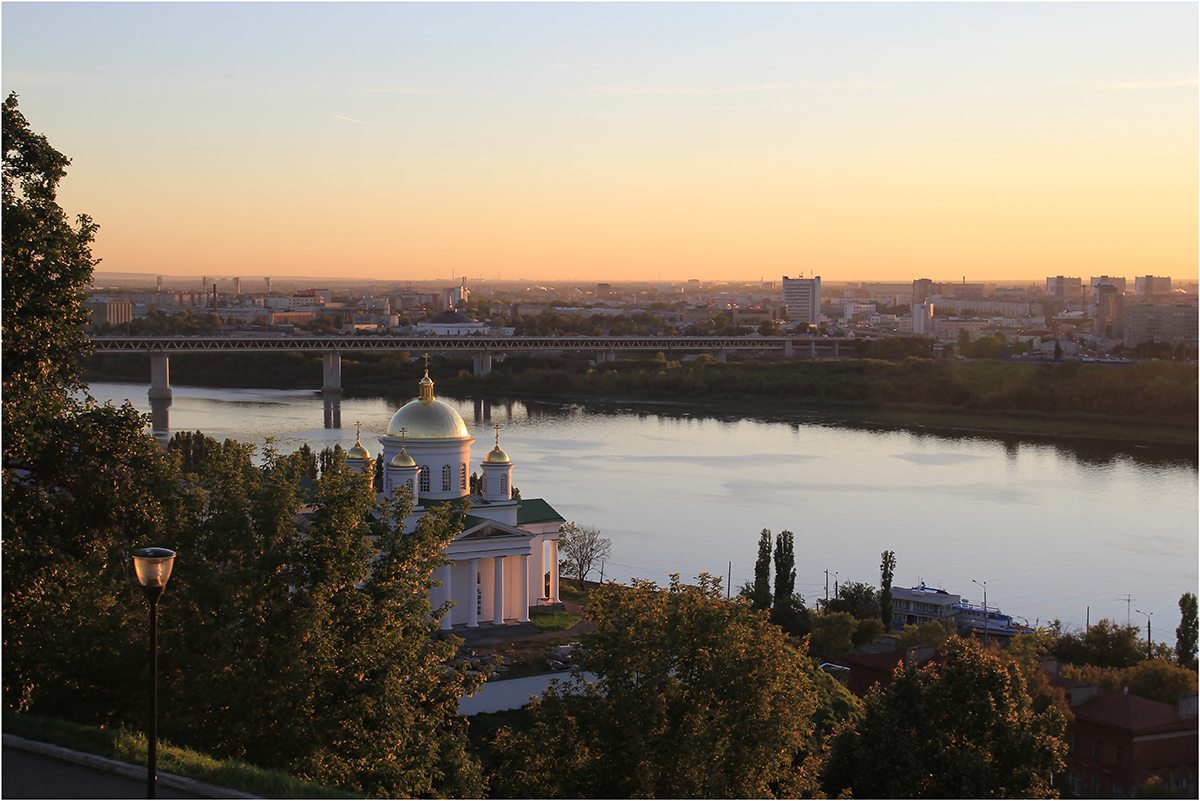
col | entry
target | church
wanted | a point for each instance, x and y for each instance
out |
(504, 562)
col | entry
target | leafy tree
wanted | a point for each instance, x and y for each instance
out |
(1185, 634)
(1104, 644)
(1158, 679)
(785, 568)
(581, 549)
(932, 633)
(856, 599)
(887, 568)
(47, 264)
(694, 696)
(965, 728)
(831, 633)
(761, 595)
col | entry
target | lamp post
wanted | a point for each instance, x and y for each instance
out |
(153, 567)
(1149, 642)
(985, 612)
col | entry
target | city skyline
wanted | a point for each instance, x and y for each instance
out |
(623, 142)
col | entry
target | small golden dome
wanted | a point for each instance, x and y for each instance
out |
(496, 456)
(358, 452)
(402, 459)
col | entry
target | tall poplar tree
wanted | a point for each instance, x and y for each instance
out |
(761, 597)
(886, 568)
(785, 571)
(1186, 634)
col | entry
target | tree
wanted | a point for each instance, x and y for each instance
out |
(785, 569)
(47, 264)
(932, 633)
(965, 728)
(1158, 679)
(857, 599)
(1185, 635)
(761, 595)
(1104, 644)
(887, 567)
(580, 549)
(831, 634)
(694, 696)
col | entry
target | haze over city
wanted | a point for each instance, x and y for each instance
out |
(621, 141)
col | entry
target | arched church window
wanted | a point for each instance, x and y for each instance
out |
(424, 478)
(445, 478)
(387, 483)
(462, 476)
(503, 483)
(483, 483)
(409, 484)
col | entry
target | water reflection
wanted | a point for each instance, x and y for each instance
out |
(332, 402)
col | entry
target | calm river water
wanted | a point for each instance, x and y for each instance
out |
(1055, 531)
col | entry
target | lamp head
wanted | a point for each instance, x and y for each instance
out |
(153, 567)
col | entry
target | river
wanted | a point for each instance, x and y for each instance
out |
(1074, 531)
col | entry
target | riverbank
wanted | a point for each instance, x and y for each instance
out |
(1147, 402)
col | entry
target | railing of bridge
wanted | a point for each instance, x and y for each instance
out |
(109, 344)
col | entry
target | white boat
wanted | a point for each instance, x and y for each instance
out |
(975, 619)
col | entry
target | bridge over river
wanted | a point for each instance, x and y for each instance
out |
(482, 348)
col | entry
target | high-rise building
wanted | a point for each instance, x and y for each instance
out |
(267, 281)
(1171, 324)
(1149, 286)
(1061, 288)
(802, 296)
(922, 289)
(1107, 280)
(1108, 316)
(237, 286)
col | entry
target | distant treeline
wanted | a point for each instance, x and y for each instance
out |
(1149, 391)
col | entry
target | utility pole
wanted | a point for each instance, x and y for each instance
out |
(1149, 640)
(1128, 599)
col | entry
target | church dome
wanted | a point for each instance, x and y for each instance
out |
(358, 452)
(496, 456)
(402, 459)
(427, 418)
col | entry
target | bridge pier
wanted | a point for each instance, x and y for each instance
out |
(812, 348)
(787, 348)
(483, 362)
(721, 356)
(333, 372)
(835, 350)
(610, 355)
(160, 377)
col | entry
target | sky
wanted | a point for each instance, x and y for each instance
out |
(622, 141)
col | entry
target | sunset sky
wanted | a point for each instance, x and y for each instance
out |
(622, 141)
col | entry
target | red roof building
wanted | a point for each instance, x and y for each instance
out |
(1119, 741)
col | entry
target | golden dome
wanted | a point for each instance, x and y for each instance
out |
(496, 456)
(358, 452)
(427, 417)
(402, 459)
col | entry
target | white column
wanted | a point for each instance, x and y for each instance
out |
(160, 376)
(473, 594)
(446, 595)
(554, 572)
(523, 588)
(498, 593)
(333, 372)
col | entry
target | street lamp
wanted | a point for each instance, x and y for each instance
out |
(1149, 642)
(153, 567)
(985, 612)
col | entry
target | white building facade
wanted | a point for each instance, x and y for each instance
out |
(504, 562)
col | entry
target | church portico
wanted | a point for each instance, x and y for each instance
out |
(490, 581)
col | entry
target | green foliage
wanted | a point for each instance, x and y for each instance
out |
(785, 568)
(932, 633)
(695, 696)
(47, 264)
(1156, 679)
(965, 728)
(1104, 644)
(124, 745)
(553, 621)
(1185, 634)
(887, 568)
(855, 598)
(761, 596)
(831, 633)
